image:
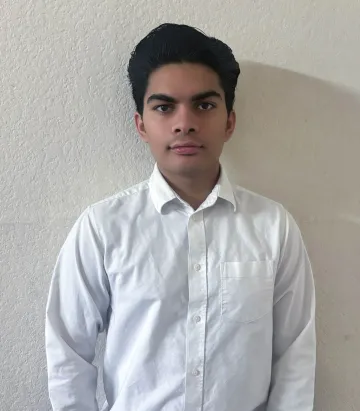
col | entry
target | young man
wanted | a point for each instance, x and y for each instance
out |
(204, 289)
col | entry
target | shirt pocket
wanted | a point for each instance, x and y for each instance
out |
(246, 290)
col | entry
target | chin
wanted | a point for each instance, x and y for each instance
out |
(188, 168)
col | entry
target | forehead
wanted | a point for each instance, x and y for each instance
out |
(183, 80)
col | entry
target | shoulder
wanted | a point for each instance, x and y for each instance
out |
(124, 200)
(264, 212)
(253, 203)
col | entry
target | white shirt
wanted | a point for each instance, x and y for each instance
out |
(208, 310)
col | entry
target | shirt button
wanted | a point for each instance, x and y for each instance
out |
(196, 373)
(197, 267)
(197, 318)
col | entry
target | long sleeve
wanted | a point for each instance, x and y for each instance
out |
(294, 341)
(76, 312)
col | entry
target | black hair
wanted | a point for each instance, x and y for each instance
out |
(175, 43)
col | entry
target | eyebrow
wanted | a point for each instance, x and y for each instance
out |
(196, 97)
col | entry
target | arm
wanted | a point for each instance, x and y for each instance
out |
(294, 341)
(76, 312)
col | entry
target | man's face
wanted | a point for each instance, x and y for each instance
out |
(184, 104)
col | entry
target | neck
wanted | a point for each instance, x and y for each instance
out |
(193, 189)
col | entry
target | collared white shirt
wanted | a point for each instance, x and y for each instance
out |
(206, 310)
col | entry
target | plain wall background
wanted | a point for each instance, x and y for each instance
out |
(67, 139)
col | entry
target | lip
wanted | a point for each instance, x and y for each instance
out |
(185, 143)
(186, 149)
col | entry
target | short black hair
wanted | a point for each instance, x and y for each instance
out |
(179, 43)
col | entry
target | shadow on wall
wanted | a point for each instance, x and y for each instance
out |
(298, 142)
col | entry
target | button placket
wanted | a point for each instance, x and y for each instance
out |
(197, 308)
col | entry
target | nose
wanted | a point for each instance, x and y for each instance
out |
(185, 122)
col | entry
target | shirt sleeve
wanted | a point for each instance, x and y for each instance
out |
(76, 312)
(294, 340)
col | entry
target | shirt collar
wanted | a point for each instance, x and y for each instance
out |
(161, 193)
(226, 190)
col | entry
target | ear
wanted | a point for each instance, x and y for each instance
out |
(230, 125)
(140, 126)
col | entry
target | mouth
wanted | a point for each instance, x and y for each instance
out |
(186, 150)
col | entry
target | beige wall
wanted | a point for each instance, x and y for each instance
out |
(67, 139)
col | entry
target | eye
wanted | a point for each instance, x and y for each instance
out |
(163, 108)
(206, 106)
